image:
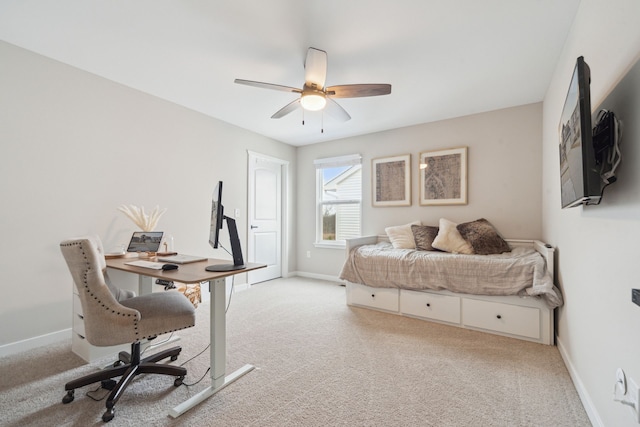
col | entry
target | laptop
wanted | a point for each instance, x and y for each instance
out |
(181, 259)
(145, 241)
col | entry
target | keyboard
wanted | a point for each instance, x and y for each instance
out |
(146, 264)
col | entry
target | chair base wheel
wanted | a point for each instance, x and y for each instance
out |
(68, 398)
(108, 415)
(178, 381)
(174, 358)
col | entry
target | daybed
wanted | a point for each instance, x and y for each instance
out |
(509, 293)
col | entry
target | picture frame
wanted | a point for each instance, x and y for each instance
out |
(391, 181)
(443, 177)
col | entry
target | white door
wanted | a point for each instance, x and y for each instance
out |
(264, 242)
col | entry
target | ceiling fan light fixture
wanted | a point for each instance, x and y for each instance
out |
(313, 101)
(314, 93)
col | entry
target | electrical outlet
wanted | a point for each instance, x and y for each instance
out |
(308, 254)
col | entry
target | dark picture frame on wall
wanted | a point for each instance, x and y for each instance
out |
(443, 177)
(391, 181)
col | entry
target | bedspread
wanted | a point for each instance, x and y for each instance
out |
(522, 271)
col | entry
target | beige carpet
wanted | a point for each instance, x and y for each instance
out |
(318, 363)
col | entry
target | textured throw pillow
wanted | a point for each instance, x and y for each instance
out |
(483, 237)
(450, 240)
(423, 236)
(401, 236)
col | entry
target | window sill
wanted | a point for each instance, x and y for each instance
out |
(329, 245)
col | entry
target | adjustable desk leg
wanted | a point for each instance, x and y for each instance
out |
(218, 351)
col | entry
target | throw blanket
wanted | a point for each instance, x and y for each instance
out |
(522, 271)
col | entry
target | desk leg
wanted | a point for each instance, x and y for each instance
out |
(218, 351)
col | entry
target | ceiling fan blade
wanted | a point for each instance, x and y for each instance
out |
(315, 68)
(267, 86)
(286, 109)
(357, 91)
(336, 111)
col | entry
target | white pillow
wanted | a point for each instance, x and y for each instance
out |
(449, 239)
(401, 236)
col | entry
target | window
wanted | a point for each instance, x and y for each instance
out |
(338, 199)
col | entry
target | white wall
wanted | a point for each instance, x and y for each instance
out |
(598, 328)
(504, 165)
(75, 147)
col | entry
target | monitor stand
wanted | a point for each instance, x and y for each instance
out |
(236, 250)
(225, 267)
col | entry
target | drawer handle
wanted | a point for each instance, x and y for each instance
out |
(373, 295)
(428, 304)
(499, 316)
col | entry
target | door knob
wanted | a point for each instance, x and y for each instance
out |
(254, 226)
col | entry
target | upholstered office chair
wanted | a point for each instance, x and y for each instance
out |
(112, 322)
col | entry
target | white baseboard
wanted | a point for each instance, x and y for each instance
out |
(589, 407)
(317, 276)
(35, 342)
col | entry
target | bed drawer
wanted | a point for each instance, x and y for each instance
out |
(509, 319)
(380, 298)
(444, 308)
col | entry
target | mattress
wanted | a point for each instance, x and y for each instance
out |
(523, 271)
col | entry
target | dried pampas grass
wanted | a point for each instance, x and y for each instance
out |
(140, 218)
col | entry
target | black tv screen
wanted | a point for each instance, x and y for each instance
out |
(580, 181)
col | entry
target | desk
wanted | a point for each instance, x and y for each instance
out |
(195, 273)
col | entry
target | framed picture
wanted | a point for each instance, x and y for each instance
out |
(443, 177)
(391, 181)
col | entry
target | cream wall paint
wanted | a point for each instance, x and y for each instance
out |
(75, 147)
(504, 159)
(596, 245)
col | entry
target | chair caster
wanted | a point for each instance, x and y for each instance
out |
(68, 398)
(177, 382)
(174, 358)
(108, 415)
(117, 363)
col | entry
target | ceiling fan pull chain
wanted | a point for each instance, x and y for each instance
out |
(322, 122)
(303, 117)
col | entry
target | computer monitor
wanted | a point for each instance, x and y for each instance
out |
(217, 217)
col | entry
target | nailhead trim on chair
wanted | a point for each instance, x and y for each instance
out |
(113, 310)
(86, 286)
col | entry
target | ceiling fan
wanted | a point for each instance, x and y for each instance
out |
(314, 96)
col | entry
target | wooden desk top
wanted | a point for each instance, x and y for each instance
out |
(193, 272)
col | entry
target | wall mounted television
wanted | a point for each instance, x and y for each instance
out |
(581, 183)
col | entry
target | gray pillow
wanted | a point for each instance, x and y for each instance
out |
(424, 235)
(483, 237)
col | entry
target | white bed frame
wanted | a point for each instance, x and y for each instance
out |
(525, 318)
